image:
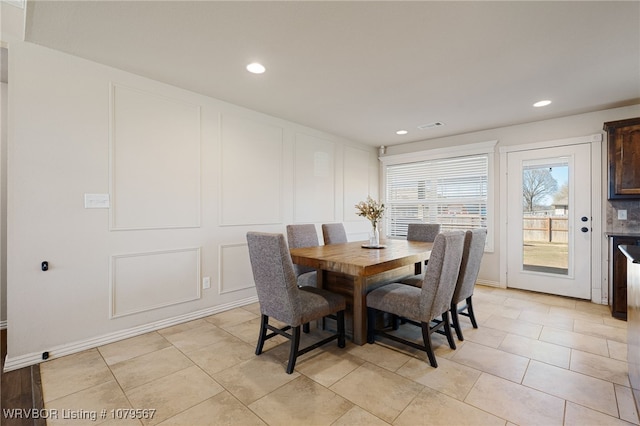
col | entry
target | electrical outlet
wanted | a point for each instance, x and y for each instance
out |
(206, 282)
(622, 215)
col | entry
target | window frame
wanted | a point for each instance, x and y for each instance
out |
(475, 149)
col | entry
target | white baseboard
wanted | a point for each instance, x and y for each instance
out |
(496, 284)
(489, 283)
(26, 360)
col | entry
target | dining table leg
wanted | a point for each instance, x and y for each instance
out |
(320, 280)
(357, 300)
(359, 311)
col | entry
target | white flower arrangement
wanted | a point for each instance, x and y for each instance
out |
(370, 209)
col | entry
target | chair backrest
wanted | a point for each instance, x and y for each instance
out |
(423, 232)
(274, 277)
(474, 242)
(334, 233)
(441, 275)
(302, 236)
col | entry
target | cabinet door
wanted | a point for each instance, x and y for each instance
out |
(624, 158)
(618, 276)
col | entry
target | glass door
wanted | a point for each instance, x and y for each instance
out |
(549, 220)
(545, 210)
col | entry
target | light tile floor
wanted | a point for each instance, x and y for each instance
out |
(536, 359)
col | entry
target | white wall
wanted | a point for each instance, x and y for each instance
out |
(105, 281)
(3, 205)
(187, 176)
(541, 131)
(11, 29)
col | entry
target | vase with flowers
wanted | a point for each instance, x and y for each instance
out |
(373, 211)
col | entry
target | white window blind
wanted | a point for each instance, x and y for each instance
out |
(449, 191)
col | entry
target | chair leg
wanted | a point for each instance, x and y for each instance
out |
(341, 342)
(371, 325)
(456, 321)
(305, 327)
(447, 330)
(295, 344)
(263, 333)
(426, 336)
(395, 321)
(471, 314)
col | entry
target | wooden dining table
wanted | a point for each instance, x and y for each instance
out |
(353, 271)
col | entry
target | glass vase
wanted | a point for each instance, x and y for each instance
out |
(374, 236)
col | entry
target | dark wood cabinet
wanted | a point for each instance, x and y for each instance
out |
(624, 158)
(633, 327)
(618, 274)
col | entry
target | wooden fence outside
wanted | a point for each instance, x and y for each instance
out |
(545, 229)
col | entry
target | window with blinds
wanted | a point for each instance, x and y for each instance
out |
(449, 191)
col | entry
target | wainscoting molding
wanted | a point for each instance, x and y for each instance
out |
(356, 165)
(234, 268)
(94, 342)
(251, 163)
(154, 161)
(314, 179)
(137, 277)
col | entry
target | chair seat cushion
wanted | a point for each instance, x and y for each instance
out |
(308, 279)
(317, 303)
(414, 280)
(397, 298)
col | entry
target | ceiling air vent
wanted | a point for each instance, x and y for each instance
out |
(431, 125)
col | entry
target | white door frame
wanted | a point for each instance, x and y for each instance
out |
(595, 142)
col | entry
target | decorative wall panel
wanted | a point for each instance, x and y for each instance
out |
(144, 281)
(155, 161)
(251, 172)
(356, 186)
(235, 268)
(314, 179)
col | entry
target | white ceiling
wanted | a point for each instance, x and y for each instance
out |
(363, 70)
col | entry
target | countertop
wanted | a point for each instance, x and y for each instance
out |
(622, 234)
(632, 252)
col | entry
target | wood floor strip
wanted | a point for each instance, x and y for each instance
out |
(21, 391)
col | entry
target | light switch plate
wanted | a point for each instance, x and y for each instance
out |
(96, 201)
(206, 282)
(622, 215)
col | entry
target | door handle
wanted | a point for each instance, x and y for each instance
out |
(584, 229)
(584, 218)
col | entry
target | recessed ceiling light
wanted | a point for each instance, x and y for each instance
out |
(401, 132)
(542, 103)
(256, 68)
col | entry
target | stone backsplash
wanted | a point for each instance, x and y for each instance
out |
(631, 225)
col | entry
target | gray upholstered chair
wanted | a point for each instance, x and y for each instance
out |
(474, 242)
(303, 236)
(423, 232)
(282, 299)
(420, 232)
(334, 233)
(426, 305)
